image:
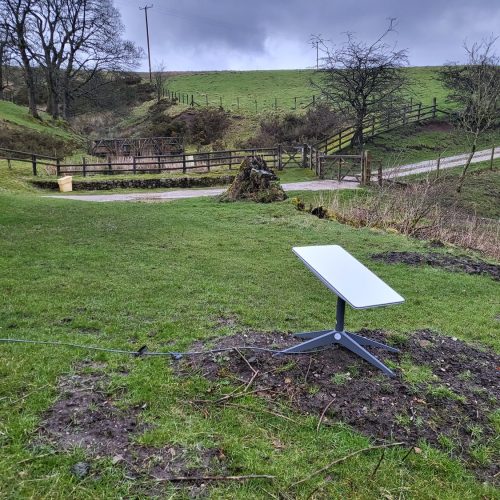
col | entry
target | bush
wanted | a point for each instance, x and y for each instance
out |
(208, 125)
(290, 128)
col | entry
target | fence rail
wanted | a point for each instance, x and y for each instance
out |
(375, 125)
(198, 162)
(34, 159)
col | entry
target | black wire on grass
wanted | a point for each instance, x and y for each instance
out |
(143, 351)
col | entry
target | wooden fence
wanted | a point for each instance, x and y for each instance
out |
(375, 125)
(34, 159)
(196, 162)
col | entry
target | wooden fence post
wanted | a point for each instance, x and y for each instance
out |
(134, 165)
(438, 165)
(304, 155)
(380, 178)
(84, 166)
(339, 173)
(419, 111)
(206, 99)
(159, 164)
(230, 160)
(434, 107)
(220, 99)
(183, 163)
(365, 179)
(110, 169)
(275, 103)
(58, 167)
(294, 103)
(492, 157)
(33, 164)
(280, 160)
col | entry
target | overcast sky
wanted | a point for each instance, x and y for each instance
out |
(275, 34)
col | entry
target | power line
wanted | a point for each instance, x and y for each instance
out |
(145, 9)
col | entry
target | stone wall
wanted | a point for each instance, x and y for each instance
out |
(138, 183)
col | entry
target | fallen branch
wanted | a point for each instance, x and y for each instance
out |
(343, 459)
(323, 414)
(178, 479)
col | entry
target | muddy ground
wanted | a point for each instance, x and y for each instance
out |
(86, 415)
(448, 262)
(449, 406)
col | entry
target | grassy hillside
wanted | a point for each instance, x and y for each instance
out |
(283, 85)
(45, 136)
(12, 114)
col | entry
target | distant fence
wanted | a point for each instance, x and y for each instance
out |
(238, 103)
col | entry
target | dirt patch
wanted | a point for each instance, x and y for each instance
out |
(444, 392)
(86, 416)
(448, 262)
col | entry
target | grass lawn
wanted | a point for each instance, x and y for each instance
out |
(125, 274)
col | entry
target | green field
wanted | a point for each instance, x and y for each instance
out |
(167, 275)
(266, 87)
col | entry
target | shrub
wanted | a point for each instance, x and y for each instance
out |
(291, 128)
(208, 125)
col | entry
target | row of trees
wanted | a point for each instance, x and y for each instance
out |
(72, 42)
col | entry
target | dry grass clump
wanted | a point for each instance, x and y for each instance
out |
(414, 210)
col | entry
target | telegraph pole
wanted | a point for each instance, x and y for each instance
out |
(145, 9)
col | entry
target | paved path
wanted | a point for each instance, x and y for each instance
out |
(316, 185)
(446, 162)
(196, 193)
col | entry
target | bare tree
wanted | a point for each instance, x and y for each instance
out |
(160, 79)
(475, 87)
(4, 55)
(70, 41)
(19, 24)
(361, 78)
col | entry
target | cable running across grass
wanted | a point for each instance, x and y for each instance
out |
(143, 351)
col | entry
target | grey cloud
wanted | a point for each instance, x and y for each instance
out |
(260, 34)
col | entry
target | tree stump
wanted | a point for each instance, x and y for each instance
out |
(256, 182)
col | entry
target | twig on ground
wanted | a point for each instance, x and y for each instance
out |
(246, 360)
(308, 369)
(250, 382)
(343, 459)
(252, 410)
(177, 479)
(323, 414)
(229, 396)
(382, 455)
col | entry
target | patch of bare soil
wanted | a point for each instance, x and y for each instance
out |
(448, 262)
(449, 407)
(86, 416)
